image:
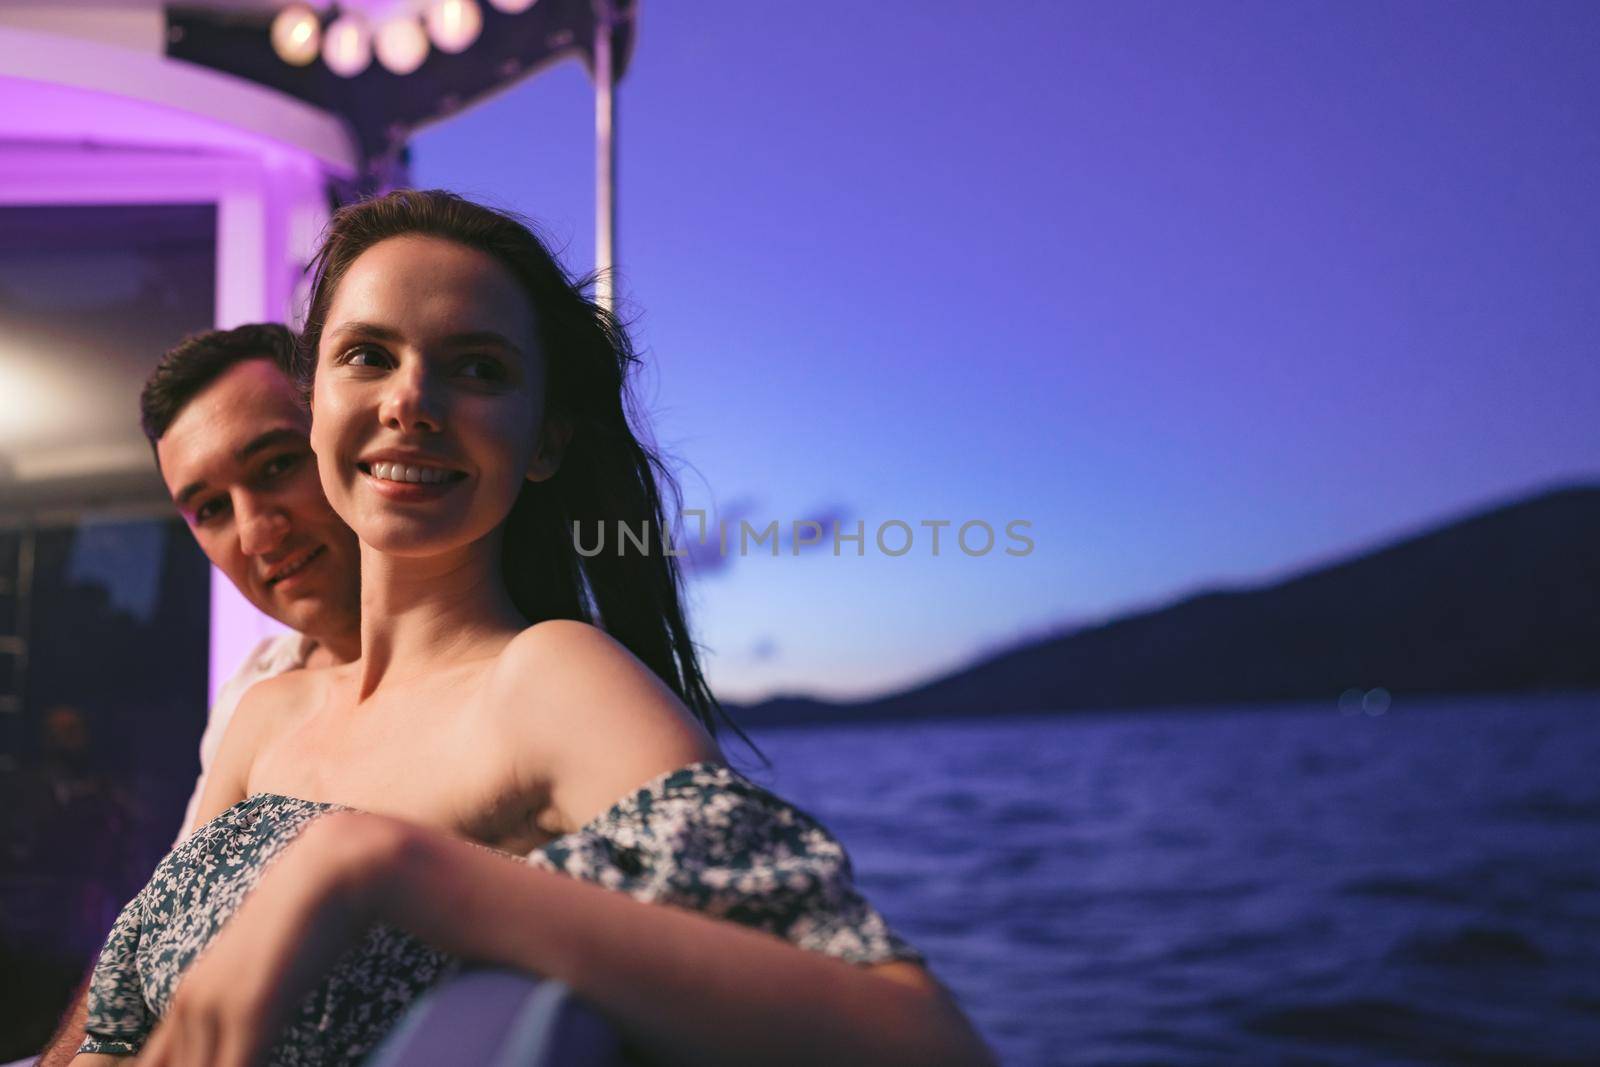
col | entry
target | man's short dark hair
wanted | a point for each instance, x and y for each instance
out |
(198, 360)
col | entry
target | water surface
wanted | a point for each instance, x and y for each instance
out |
(1290, 885)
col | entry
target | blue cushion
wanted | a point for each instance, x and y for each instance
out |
(500, 1018)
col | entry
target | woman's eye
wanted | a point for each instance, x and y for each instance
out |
(365, 356)
(488, 370)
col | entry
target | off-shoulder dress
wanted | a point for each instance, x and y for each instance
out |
(702, 836)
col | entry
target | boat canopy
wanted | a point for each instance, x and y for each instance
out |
(140, 106)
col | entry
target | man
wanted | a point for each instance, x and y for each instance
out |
(231, 439)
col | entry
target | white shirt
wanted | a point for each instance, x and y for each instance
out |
(273, 656)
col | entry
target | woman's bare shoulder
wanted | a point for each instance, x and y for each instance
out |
(596, 719)
(264, 710)
(567, 666)
(269, 703)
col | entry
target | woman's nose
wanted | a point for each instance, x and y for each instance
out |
(409, 404)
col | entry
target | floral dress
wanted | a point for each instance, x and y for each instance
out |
(702, 837)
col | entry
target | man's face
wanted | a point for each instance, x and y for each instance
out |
(238, 463)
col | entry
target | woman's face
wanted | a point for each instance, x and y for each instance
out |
(427, 411)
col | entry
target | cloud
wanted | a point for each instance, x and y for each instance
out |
(704, 560)
(824, 518)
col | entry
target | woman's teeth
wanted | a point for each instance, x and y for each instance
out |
(402, 472)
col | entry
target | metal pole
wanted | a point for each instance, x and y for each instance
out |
(605, 153)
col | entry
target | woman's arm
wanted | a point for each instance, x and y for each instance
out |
(681, 986)
(591, 722)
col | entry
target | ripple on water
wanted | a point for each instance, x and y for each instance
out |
(1385, 1029)
(1176, 894)
(1028, 813)
(1232, 946)
(1016, 860)
(1052, 934)
(1436, 890)
(955, 801)
(1468, 946)
(1175, 838)
(1548, 808)
(1349, 1020)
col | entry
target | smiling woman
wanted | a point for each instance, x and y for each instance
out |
(397, 368)
(521, 767)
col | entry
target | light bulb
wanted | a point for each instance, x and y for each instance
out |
(347, 45)
(296, 33)
(454, 24)
(402, 45)
(512, 7)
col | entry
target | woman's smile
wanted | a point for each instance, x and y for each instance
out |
(405, 472)
(408, 482)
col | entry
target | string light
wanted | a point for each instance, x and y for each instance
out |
(296, 33)
(402, 45)
(454, 24)
(347, 45)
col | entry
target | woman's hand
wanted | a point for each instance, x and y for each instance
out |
(309, 908)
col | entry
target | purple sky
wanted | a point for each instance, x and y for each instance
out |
(1207, 292)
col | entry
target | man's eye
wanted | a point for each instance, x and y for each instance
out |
(210, 509)
(280, 465)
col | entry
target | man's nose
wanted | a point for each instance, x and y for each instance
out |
(261, 529)
(411, 403)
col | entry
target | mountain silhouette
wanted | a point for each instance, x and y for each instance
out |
(1506, 599)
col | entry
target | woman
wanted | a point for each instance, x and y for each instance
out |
(467, 407)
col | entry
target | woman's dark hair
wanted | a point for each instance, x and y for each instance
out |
(605, 474)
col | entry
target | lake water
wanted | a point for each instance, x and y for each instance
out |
(1290, 885)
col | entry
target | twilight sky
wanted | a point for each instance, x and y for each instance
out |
(1207, 293)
